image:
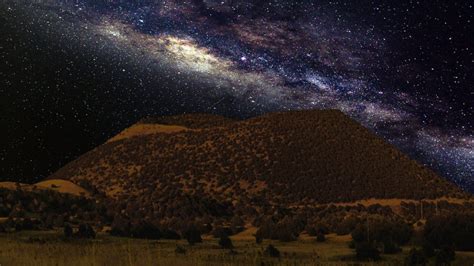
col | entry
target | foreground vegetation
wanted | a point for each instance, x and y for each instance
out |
(50, 248)
(54, 229)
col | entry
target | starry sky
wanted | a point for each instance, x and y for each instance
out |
(74, 73)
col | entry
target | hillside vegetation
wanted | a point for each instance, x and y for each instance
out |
(224, 168)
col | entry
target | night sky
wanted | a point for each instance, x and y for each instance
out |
(74, 73)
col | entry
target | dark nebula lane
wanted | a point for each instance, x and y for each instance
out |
(76, 72)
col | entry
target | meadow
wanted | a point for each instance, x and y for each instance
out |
(49, 248)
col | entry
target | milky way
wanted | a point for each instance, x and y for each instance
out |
(244, 58)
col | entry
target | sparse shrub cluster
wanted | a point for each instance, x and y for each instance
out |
(378, 234)
(46, 209)
(236, 168)
(455, 230)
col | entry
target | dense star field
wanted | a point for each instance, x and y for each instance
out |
(74, 73)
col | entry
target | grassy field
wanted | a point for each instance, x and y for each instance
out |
(48, 248)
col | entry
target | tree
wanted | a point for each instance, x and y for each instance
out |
(193, 235)
(456, 230)
(145, 230)
(225, 242)
(444, 256)
(367, 251)
(320, 237)
(428, 249)
(180, 250)
(85, 231)
(389, 247)
(415, 257)
(272, 251)
(68, 231)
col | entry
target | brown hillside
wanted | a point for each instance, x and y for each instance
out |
(285, 159)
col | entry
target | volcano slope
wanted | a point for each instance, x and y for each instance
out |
(200, 165)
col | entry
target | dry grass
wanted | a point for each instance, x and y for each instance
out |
(63, 186)
(58, 185)
(47, 248)
(147, 129)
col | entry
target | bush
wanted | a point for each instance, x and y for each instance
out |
(180, 250)
(415, 257)
(320, 237)
(193, 235)
(225, 242)
(85, 231)
(272, 251)
(352, 244)
(381, 230)
(145, 230)
(285, 235)
(389, 247)
(170, 234)
(428, 249)
(444, 256)
(451, 230)
(221, 231)
(67, 231)
(317, 228)
(367, 251)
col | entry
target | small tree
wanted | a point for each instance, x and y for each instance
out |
(272, 251)
(389, 247)
(67, 231)
(320, 237)
(193, 235)
(85, 231)
(415, 257)
(258, 238)
(367, 251)
(180, 250)
(225, 242)
(444, 256)
(428, 249)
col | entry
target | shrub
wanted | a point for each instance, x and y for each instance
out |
(415, 257)
(193, 235)
(320, 237)
(451, 230)
(317, 228)
(225, 242)
(352, 244)
(180, 250)
(272, 251)
(285, 235)
(221, 231)
(170, 234)
(145, 230)
(389, 247)
(428, 249)
(444, 256)
(367, 251)
(85, 231)
(67, 231)
(381, 230)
